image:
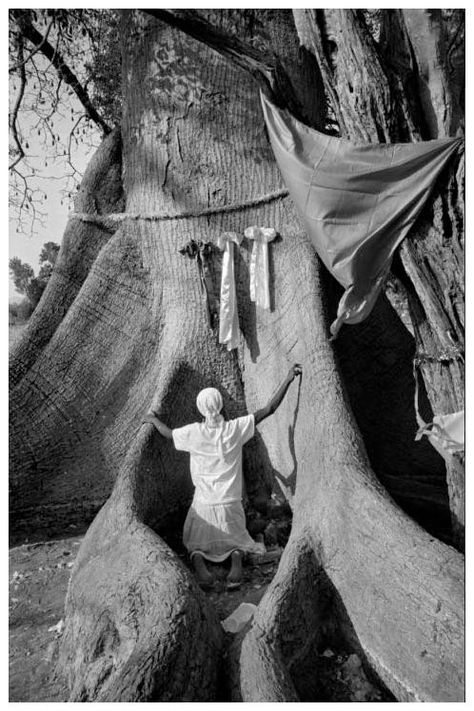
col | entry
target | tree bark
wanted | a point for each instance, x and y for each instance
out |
(435, 261)
(52, 408)
(381, 100)
(173, 160)
(357, 568)
(138, 627)
(387, 596)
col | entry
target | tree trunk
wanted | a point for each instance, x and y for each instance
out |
(58, 477)
(407, 89)
(357, 568)
(434, 262)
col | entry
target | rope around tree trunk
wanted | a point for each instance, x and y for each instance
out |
(111, 220)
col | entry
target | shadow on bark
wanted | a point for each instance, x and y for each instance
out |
(381, 394)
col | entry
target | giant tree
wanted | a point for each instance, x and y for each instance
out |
(123, 327)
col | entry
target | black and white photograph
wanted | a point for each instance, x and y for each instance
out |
(236, 345)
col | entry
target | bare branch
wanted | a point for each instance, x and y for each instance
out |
(17, 66)
(71, 136)
(16, 107)
(58, 62)
(58, 39)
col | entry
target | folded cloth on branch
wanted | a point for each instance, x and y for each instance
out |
(259, 268)
(357, 201)
(228, 315)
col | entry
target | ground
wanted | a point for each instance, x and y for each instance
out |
(39, 575)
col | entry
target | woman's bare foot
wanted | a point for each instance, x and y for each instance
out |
(235, 575)
(203, 576)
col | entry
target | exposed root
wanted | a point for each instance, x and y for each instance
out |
(138, 627)
(269, 649)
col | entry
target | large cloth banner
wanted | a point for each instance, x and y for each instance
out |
(357, 201)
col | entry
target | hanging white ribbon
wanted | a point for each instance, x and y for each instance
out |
(259, 271)
(228, 316)
(445, 433)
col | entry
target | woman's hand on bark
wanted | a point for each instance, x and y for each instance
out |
(294, 371)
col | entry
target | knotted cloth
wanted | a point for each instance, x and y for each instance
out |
(228, 315)
(209, 403)
(259, 270)
(358, 201)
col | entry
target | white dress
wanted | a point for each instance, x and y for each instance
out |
(215, 524)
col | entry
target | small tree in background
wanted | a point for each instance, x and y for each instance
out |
(20, 312)
(22, 274)
(24, 277)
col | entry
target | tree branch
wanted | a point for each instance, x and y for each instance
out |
(17, 66)
(310, 35)
(265, 67)
(31, 33)
(16, 107)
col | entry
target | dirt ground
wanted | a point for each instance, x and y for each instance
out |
(39, 575)
(38, 578)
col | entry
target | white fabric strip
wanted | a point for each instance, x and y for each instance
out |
(259, 271)
(445, 433)
(228, 316)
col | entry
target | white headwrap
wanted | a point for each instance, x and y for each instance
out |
(209, 403)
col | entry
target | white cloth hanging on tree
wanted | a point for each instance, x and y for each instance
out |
(259, 265)
(228, 314)
(445, 433)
